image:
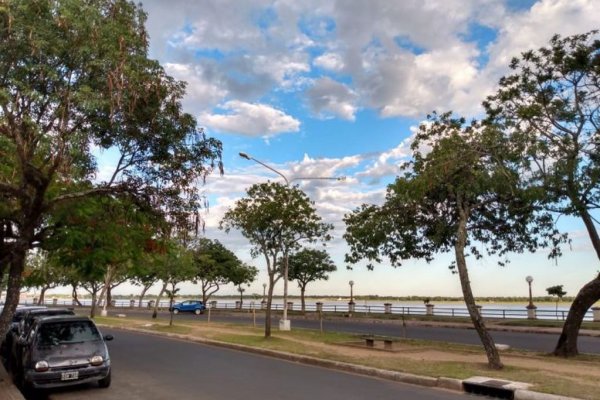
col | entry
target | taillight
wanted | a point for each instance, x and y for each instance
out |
(96, 360)
(41, 366)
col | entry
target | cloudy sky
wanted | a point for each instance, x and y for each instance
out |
(332, 88)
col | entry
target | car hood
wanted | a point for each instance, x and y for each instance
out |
(71, 354)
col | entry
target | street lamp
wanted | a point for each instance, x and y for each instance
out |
(529, 279)
(284, 324)
(351, 294)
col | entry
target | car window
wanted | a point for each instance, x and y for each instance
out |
(52, 334)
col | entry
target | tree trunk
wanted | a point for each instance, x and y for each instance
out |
(94, 298)
(587, 296)
(486, 339)
(567, 341)
(13, 289)
(42, 295)
(74, 295)
(302, 300)
(162, 291)
(144, 290)
(109, 296)
(268, 311)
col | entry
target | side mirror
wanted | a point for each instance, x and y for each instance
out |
(108, 338)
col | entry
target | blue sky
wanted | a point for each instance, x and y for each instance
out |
(331, 88)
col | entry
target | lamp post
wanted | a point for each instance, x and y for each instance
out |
(531, 313)
(351, 303)
(529, 279)
(284, 323)
(264, 289)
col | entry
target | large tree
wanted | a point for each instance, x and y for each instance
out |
(277, 219)
(75, 80)
(309, 265)
(215, 266)
(462, 195)
(550, 108)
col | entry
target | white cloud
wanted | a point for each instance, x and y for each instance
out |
(327, 96)
(329, 61)
(203, 89)
(250, 119)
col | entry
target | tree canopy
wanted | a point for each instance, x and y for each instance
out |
(216, 266)
(549, 107)
(309, 265)
(75, 81)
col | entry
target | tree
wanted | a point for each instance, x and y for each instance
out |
(309, 265)
(41, 272)
(175, 266)
(461, 195)
(75, 79)
(550, 109)
(215, 266)
(276, 219)
(242, 275)
(558, 292)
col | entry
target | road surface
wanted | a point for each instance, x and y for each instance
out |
(147, 367)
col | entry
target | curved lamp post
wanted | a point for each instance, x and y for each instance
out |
(284, 324)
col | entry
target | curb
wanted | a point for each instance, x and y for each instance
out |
(440, 382)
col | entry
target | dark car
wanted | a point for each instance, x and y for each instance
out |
(7, 341)
(63, 351)
(195, 306)
(22, 330)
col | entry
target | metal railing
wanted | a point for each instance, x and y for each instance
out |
(366, 309)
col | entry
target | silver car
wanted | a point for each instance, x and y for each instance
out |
(62, 351)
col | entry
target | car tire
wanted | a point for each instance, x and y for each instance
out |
(105, 382)
(175, 311)
(197, 311)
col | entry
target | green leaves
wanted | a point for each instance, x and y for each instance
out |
(309, 265)
(457, 169)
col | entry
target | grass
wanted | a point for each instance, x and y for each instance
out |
(575, 377)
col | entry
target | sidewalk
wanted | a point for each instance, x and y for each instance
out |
(8, 391)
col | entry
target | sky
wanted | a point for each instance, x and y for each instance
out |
(337, 88)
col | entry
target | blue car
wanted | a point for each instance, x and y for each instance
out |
(195, 306)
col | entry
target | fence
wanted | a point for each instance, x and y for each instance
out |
(490, 313)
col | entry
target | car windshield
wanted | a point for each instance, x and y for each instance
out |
(66, 332)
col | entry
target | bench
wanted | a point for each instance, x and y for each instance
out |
(388, 342)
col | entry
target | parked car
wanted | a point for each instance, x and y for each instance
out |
(22, 330)
(62, 351)
(6, 343)
(195, 306)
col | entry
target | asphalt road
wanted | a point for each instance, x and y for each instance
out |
(147, 367)
(542, 342)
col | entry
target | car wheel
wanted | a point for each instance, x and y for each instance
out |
(175, 311)
(104, 382)
(197, 311)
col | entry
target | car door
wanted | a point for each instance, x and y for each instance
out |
(187, 306)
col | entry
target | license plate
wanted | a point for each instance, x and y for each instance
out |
(69, 376)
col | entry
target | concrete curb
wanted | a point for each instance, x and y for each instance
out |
(440, 382)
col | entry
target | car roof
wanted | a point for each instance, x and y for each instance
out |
(49, 311)
(62, 318)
